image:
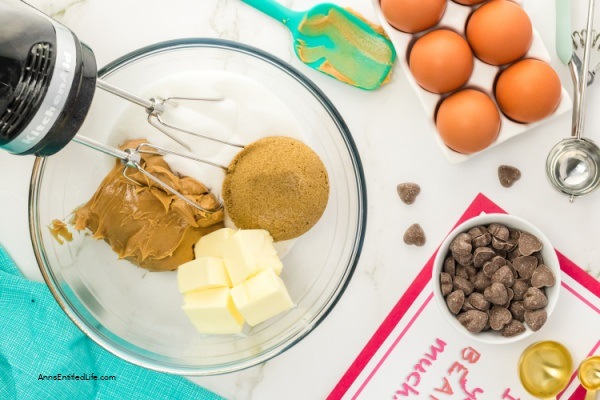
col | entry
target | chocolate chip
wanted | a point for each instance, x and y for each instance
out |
(480, 281)
(529, 244)
(471, 271)
(543, 277)
(414, 235)
(481, 255)
(480, 236)
(461, 244)
(508, 175)
(499, 231)
(446, 283)
(455, 301)
(473, 320)
(489, 269)
(520, 287)
(536, 319)
(478, 301)
(501, 245)
(463, 258)
(450, 265)
(408, 192)
(514, 328)
(511, 295)
(467, 306)
(505, 276)
(517, 310)
(463, 285)
(499, 317)
(496, 293)
(462, 272)
(534, 299)
(525, 265)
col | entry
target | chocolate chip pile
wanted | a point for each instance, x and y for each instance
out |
(494, 278)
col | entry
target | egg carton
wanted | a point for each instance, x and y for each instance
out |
(482, 78)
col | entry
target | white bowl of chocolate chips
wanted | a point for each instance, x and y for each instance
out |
(496, 278)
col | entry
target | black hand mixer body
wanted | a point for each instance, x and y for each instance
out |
(47, 81)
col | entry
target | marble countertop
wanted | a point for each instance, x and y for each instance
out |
(396, 143)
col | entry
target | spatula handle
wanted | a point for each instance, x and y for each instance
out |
(564, 47)
(273, 9)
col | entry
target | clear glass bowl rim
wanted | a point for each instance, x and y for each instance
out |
(79, 321)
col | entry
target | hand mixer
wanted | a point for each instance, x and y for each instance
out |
(47, 83)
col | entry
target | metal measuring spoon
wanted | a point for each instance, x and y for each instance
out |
(545, 369)
(573, 164)
(589, 376)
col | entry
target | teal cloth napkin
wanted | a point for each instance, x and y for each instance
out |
(38, 339)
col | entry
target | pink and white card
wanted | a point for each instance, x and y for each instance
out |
(417, 354)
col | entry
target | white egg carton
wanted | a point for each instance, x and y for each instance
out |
(482, 78)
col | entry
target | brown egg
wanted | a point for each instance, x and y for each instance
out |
(528, 90)
(469, 2)
(499, 32)
(441, 61)
(468, 121)
(413, 15)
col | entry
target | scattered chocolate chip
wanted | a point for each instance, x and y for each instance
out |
(496, 293)
(480, 236)
(464, 258)
(446, 283)
(536, 319)
(455, 301)
(542, 277)
(514, 328)
(408, 192)
(529, 244)
(534, 299)
(414, 235)
(499, 317)
(501, 245)
(473, 320)
(508, 175)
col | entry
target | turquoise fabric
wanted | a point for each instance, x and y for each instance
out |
(37, 338)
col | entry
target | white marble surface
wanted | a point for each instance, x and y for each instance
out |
(396, 144)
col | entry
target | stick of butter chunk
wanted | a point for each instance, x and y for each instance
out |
(261, 297)
(202, 273)
(241, 252)
(269, 259)
(210, 245)
(212, 311)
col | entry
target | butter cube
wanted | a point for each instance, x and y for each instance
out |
(210, 245)
(269, 259)
(241, 253)
(212, 311)
(202, 273)
(261, 297)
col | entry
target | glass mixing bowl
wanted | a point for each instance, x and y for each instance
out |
(137, 314)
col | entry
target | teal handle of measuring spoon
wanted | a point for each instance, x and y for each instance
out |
(276, 11)
(564, 46)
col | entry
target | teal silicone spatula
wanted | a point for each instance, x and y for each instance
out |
(337, 42)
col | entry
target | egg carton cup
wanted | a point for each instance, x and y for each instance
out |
(482, 78)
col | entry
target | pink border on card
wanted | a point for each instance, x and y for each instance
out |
(480, 204)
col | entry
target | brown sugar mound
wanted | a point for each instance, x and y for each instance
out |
(278, 184)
